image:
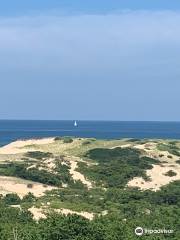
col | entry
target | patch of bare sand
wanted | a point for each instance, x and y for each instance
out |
(21, 146)
(75, 174)
(50, 163)
(157, 176)
(37, 213)
(151, 150)
(17, 206)
(20, 187)
(122, 146)
(65, 211)
(170, 158)
(146, 146)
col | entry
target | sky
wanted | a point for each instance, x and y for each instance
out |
(90, 60)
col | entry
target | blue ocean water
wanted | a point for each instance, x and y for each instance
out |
(11, 130)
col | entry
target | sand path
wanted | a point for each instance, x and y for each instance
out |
(77, 175)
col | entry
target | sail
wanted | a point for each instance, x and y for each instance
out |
(75, 124)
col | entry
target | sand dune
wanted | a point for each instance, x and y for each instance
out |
(21, 146)
(157, 176)
(20, 187)
(75, 174)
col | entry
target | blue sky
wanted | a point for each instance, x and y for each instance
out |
(106, 60)
(11, 7)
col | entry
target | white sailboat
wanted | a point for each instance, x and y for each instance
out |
(75, 123)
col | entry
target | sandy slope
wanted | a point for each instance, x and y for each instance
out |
(75, 174)
(158, 178)
(19, 186)
(19, 146)
(157, 173)
(8, 184)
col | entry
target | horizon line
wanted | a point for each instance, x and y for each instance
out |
(92, 120)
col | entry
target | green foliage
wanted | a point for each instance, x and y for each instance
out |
(178, 161)
(43, 176)
(38, 155)
(58, 138)
(77, 185)
(64, 139)
(12, 199)
(29, 198)
(171, 148)
(86, 142)
(127, 207)
(170, 173)
(161, 155)
(133, 140)
(67, 140)
(116, 166)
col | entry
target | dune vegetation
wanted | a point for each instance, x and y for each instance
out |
(87, 189)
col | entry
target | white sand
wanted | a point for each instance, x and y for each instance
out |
(158, 178)
(122, 146)
(40, 213)
(77, 175)
(65, 211)
(157, 173)
(152, 151)
(21, 146)
(50, 164)
(37, 213)
(149, 145)
(19, 186)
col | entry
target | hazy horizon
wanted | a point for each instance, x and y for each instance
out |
(92, 120)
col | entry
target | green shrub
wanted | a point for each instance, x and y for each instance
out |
(29, 185)
(12, 199)
(171, 148)
(58, 138)
(170, 173)
(21, 170)
(86, 142)
(133, 140)
(29, 198)
(116, 166)
(38, 155)
(67, 140)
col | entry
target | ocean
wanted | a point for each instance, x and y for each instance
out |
(11, 130)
